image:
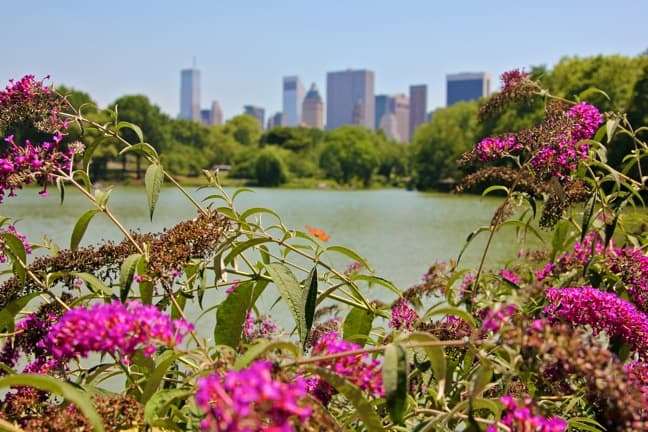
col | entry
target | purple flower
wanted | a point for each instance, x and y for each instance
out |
(493, 148)
(232, 287)
(520, 417)
(587, 117)
(250, 400)
(510, 276)
(116, 328)
(359, 369)
(403, 316)
(602, 311)
(261, 327)
(513, 78)
(494, 318)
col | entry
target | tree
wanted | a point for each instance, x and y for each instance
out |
(438, 144)
(245, 129)
(270, 168)
(349, 152)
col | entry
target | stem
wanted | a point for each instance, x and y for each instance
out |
(459, 415)
(413, 345)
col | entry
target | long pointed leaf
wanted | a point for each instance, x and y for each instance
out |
(292, 293)
(81, 226)
(153, 182)
(231, 314)
(395, 381)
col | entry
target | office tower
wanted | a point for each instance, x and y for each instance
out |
(467, 86)
(293, 96)
(216, 114)
(392, 115)
(418, 107)
(205, 117)
(313, 108)
(256, 112)
(278, 119)
(350, 99)
(190, 94)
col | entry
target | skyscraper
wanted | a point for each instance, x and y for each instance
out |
(216, 114)
(350, 98)
(278, 119)
(190, 94)
(392, 115)
(467, 86)
(256, 112)
(293, 96)
(418, 107)
(313, 109)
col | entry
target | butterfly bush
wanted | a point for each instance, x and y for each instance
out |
(521, 417)
(359, 369)
(602, 311)
(11, 229)
(116, 328)
(250, 400)
(403, 316)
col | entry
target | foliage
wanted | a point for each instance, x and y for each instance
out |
(557, 339)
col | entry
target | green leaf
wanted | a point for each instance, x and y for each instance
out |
(263, 346)
(63, 389)
(395, 381)
(15, 248)
(310, 302)
(357, 326)
(351, 254)
(60, 186)
(231, 314)
(254, 210)
(93, 283)
(610, 127)
(437, 357)
(584, 424)
(127, 125)
(81, 226)
(353, 394)
(160, 401)
(163, 362)
(142, 148)
(450, 310)
(101, 197)
(495, 188)
(5, 426)
(236, 251)
(292, 293)
(153, 181)
(128, 269)
(9, 312)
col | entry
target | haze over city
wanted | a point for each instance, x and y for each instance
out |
(244, 50)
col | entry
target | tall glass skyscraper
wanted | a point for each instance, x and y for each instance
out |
(293, 97)
(190, 94)
(467, 87)
(256, 112)
(350, 99)
(418, 107)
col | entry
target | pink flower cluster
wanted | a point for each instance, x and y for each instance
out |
(492, 148)
(115, 328)
(494, 318)
(562, 154)
(258, 327)
(631, 264)
(403, 316)
(250, 400)
(359, 369)
(31, 163)
(12, 230)
(520, 417)
(510, 276)
(513, 78)
(602, 311)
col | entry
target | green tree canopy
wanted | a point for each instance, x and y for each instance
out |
(270, 168)
(349, 152)
(438, 144)
(245, 129)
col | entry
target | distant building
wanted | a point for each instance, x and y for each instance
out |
(313, 109)
(190, 94)
(467, 87)
(216, 114)
(350, 99)
(293, 97)
(279, 119)
(205, 117)
(256, 112)
(392, 115)
(417, 107)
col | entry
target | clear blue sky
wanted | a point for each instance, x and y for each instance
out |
(244, 48)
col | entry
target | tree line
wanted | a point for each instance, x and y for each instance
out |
(352, 155)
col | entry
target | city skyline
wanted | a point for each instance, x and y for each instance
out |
(416, 42)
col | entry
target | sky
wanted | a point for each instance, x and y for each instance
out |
(244, 48)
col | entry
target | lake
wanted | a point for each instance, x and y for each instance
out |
(401, 233)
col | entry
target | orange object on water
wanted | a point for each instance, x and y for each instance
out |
(318, 233)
